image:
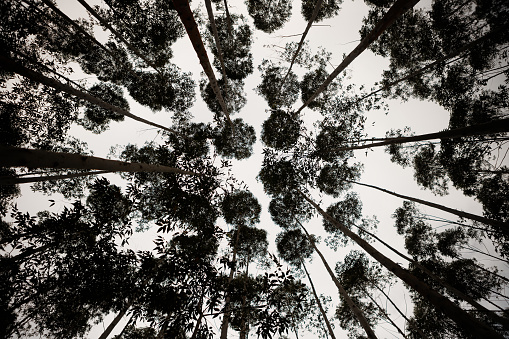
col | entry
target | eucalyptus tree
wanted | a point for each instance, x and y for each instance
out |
(281, 130)
(234, 142)
(269, 16)
(271, 82)
(235, 45)
(311, 82)
(234, 98)
(328, 9)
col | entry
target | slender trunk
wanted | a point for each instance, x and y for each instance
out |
(118, 35)
(433, 64)
(22, 157)
(491, 127)
(355, 309)
(397, 10)
(115, 321)
(186, 16)
(29, 252)
(226, 316)
(450, 288)
(301, 42)
(197, 327)
(453, 311)
(492, 273)
(470, 248)
(318, 302)
(121, 335)
(210, 13)
(243, 326)
(487, 221)
(386, 316)
(17, 180)
(228, 17)
(12, 66)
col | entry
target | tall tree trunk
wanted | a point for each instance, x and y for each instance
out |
(399, 8)
(9, 65)
(301, 42)
(318, 302)
(445, 284)
(385, 315)
(453, 311)
(118, 35)
(436, 62)
(355, 309)
(115, 321)
(17, 180)
(186, 16)
(226, 316)
(22, 157)
(495, 223)
(243, 325)
(212, 21)
(491, 127)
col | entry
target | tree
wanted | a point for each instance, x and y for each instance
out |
(235, 142)
(269, 16)
(278, 122)
(272, 82)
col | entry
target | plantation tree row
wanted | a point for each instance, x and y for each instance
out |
(210, 262)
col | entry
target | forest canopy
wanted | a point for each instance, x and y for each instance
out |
(175, 169)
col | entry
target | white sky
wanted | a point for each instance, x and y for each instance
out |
(335, 35)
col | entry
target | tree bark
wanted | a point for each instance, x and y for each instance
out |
(397, 10)
(186, 16)
(226, 316)
(18, 180)
(115, 321)
(118, 35)
(487, 221)
(355, 309)
(301, 42)
(12, 66)
(491, 127)
(22, 157)
(318, 302)
(453, 311)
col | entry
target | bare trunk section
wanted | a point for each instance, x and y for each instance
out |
(12, 66)
(355, 309)
(18, 180)
(186, 16)
(399, 8)
(453, 311)
(22, 157)
(210, 13)
(459, 213)
(226, 316)
(118, 35)
(301, 42)
(115, 322)
(318, 302)
(491, 127)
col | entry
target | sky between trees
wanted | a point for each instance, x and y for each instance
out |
(338, 35)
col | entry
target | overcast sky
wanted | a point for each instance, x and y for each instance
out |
(336, 36)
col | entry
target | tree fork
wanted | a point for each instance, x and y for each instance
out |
(22, 157)
(457, 314)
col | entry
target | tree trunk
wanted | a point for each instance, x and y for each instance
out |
(453, 311)
(450, 288)
(226, 316)
(17, 180)
(115, 321)
(22, 157)
(491, 127)
(487, 221)
(385, 314)
(186, 16)
(318, 302)
(30, 251)
(210, 13)
(355, 309)
(243, 326)
(118, 35)
(396, 11)
(301, 42)
(12, 66)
